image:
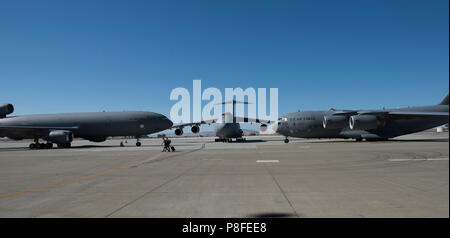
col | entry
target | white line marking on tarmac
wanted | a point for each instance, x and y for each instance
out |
(267, 161)
(429, 159)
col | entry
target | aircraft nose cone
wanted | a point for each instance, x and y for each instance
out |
(169, 123)
(279, 127)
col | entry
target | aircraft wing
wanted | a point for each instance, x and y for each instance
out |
(181, 126)
(412, 113)
(254, 120)
(404, 114)
(345, 112)
(238, 119)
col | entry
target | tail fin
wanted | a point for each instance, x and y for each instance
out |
(444, 101)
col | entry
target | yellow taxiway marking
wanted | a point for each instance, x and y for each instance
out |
(66, 182)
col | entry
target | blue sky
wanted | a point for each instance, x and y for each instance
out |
(72, 56)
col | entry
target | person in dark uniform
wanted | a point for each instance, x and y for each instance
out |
(166, 143)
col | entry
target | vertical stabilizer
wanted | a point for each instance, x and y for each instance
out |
(444, 101)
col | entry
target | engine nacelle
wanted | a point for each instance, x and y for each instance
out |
(195, 129)
(364, 122)
(6, 109)
(263, 127)
(335, 122)
(179, 132)
(60, 136)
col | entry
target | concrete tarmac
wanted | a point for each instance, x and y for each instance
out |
(263, 177)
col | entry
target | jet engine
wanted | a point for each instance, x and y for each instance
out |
(60, 137)
(195, 129)
(179, 132)
(364, 122)
(6, 109)
(334, 122)
(263, 127)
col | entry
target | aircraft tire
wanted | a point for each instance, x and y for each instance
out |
(286, 140)
(138, 144)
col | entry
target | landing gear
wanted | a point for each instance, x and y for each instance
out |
(286, 140)
(224, 140)
(37, 145)
(64, 145)
(137, 141)
(359, 139)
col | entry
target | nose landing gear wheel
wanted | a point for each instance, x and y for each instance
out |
(286, 140)
(138, 144)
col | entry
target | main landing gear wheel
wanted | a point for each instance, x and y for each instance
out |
(37, 145)
(286, 140)
(138, 143)
(64, 145)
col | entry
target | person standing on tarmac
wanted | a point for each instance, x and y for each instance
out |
(167, 147)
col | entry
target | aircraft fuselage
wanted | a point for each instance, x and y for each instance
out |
(309, 124)
(91, 125)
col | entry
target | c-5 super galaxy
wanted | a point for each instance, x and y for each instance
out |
(94, 126)
(363, 124)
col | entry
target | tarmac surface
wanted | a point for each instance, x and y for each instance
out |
(263, 177)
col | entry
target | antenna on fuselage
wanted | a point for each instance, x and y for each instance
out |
(234, 102)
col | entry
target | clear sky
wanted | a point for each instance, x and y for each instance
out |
(75, 56)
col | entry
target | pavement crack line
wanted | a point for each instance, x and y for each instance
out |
(159, 186)
(278, 185)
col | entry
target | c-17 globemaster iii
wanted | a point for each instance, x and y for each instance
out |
(94, 126)
(226, 128)
(363, 124)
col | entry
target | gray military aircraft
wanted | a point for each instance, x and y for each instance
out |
(226, 128)
(363, 124)
(94, 126)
